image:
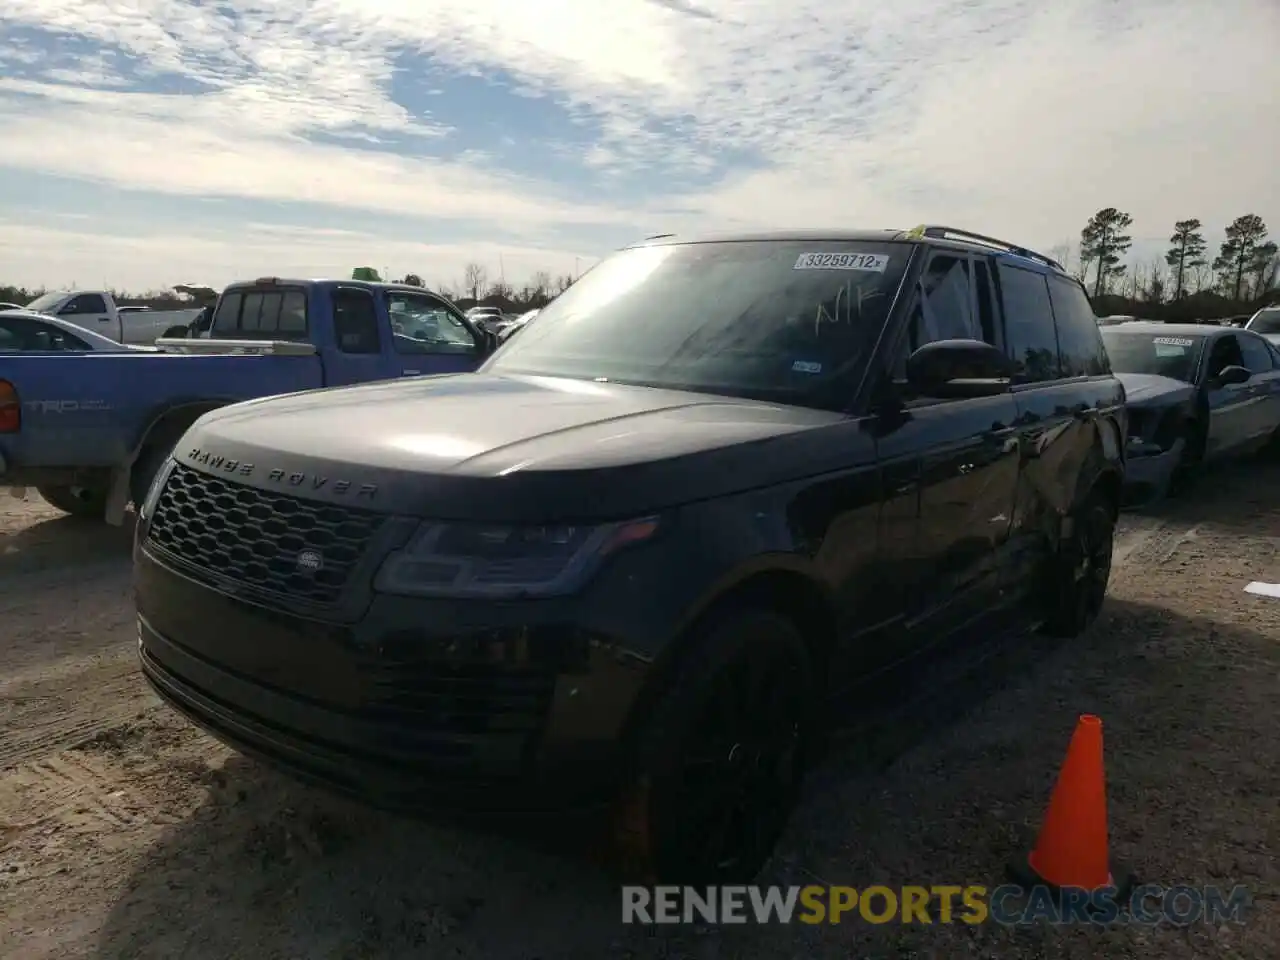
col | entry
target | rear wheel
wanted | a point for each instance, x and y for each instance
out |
(88, 503)
(1082, 569)
(179, 331)
(722, 756)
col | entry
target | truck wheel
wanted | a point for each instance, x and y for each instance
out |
(1082, 569)
(180, 331)
(719, 763)
(89, 503)
(145, 468)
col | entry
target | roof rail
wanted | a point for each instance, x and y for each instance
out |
(942, 233)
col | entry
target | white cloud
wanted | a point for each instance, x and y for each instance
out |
(54, 257)
(1013, 119)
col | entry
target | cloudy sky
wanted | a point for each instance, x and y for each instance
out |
(150, 142)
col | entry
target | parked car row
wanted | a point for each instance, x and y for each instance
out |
(97, 312)
(1196, 394)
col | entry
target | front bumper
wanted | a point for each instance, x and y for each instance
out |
(1148, 476)
(480, 708)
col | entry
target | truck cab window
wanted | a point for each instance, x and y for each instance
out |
(85, 304)
(355, 321)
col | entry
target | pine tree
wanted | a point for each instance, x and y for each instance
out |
(1186, 252)
(1239, 251)
(1103, 241)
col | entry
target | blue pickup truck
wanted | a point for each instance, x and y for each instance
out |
(89, 431)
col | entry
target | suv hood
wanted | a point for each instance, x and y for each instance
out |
(506, 448)
(1148, 389)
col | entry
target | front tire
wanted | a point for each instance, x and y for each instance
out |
(1082, 569)
(87, 503)
(720, 761)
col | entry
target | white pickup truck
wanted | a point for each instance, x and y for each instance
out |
(96, 311)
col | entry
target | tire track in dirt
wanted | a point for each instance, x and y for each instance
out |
(40, 722)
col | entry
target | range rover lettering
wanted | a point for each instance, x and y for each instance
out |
(656, 545)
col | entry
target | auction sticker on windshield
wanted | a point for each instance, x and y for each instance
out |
(1174, 341)
(872, 262)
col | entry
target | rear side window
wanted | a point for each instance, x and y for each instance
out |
(1080, 348)
(355, 321)
(20, 333)
(261, 315)
(1030, 336)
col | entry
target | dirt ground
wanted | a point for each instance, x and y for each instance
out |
(126, 833)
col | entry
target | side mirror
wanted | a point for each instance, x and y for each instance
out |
(1233, 374)
(954, 369)
(488, 342)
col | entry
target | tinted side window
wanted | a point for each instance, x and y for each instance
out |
(1257, 358)
(355, 321)
(941, 309)
(262, 315)
(1225, 353)
(1030, 337)
(226, 318)
(293, 315)
(1080, 348)
(19, 333)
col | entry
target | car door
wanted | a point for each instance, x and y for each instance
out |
(1264, 386)
(429, 336)
(1059, 405)
(956, 457)
(359, 355)
(1231, 405)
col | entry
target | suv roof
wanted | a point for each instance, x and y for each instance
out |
(933, 234)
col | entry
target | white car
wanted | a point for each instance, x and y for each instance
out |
(22, 331)
(1267, 323)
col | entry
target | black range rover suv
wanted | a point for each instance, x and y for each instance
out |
(655, 545)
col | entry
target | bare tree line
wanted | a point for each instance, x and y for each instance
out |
(475, 286)
(1245, 268)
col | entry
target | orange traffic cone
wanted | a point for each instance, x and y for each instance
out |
(1072, 849)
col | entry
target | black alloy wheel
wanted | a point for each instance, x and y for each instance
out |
(1084, 569)
(725, 753)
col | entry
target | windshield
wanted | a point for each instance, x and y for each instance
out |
(1265, 321)
(1164, 356)
(46, 300)
(792, 321)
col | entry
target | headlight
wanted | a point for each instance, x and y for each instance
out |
(494, 561)
(153, 493)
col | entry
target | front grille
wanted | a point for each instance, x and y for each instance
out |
(454, 698)
(225, 531)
